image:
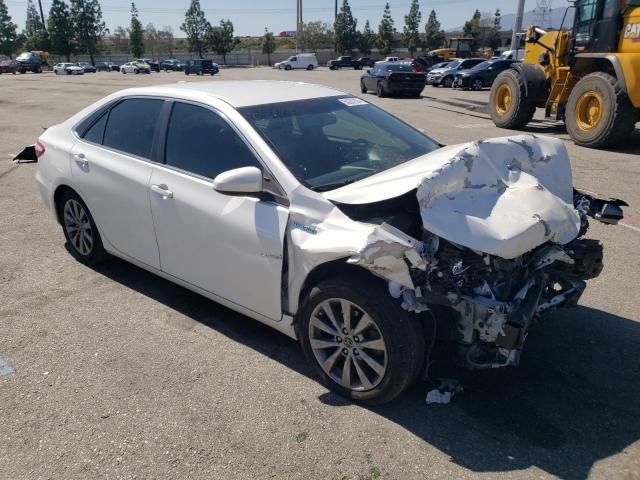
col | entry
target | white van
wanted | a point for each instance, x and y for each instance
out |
(307, 61)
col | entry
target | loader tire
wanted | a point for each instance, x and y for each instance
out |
(508, 103)
(599, 113)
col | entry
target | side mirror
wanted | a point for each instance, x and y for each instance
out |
(239, 180)
(369, 71)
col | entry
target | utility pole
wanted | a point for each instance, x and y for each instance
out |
(299, 24)
(335, 12)
(517, 26)
(42, 14)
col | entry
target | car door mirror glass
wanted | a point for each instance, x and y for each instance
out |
(369, 71)
(239, 180)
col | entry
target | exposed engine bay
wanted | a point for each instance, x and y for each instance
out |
(495, 287)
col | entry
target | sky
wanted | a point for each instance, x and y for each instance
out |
(250, 17)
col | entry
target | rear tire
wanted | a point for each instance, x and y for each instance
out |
(80, 231)
(599, 113)
(309, 67)
(508, 104)
(398, 351)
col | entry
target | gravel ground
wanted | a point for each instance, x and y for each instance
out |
(114, 373)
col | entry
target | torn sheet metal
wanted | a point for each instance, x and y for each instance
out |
(503, 196)
(27, 155)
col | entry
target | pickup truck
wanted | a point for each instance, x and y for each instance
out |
(30, 62)
(344, 61)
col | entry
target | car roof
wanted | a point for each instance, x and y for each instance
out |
(239, 93)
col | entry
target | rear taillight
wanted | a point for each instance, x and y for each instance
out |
(39, 148)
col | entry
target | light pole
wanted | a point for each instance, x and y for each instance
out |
(517, 26)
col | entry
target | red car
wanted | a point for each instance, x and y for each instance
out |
(7, 66)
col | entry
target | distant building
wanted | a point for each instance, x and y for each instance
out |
(287, 34)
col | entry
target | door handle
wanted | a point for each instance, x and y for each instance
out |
(81, 159)
(162, 190)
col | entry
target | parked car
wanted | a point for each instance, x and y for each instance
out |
(30, 62)
(172, 64)
(135, 67)
(87, 67)
(153, 65)
(8, 66)
(482, 75)
(445, 76)
(367, 61)
(328, 219)
(391, 59)
(436, 66)
(388, 78)
(307, 61)
(201, 67)
(344, 62)
(108, 67)
(68, 69)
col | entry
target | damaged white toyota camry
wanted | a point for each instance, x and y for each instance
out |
(328, 219)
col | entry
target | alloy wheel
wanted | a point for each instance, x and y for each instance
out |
(347, 344)
(78, 227)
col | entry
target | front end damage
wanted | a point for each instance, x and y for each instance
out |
(493, 231)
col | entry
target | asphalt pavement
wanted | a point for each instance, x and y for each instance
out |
(111, 372)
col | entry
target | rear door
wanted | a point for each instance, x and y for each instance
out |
(111, 166)
(229, 245)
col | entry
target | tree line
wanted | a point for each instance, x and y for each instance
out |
(77, 27)
(344, 36)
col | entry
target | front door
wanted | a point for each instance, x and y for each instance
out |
(231, 246)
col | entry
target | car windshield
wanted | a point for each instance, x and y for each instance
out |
(24, 56)
(482, 65)
(453, 64)
(330, 142)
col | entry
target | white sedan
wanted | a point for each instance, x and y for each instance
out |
(328, 219)
(68, 69)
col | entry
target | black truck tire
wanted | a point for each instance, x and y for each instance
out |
(599, 113)
(508, 103)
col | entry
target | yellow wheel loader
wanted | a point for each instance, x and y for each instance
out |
(588, 76)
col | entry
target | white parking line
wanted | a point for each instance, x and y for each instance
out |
(472, 125)
(629, 226)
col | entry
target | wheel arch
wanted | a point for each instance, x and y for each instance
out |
(611, 63)
(324, 271)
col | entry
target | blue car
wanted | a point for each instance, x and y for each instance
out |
(445, 76)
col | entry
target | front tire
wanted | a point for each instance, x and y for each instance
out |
(80, 231)
(361, 343)
(380, 90)
(363, 88)
(477, 84)
(288, 67)
(447, 82)
(508, 104)
(599, 113)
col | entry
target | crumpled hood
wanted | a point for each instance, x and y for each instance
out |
(503, 196)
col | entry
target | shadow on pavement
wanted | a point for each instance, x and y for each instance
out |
(573, 400)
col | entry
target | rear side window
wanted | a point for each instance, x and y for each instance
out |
(131, 126)
(96, 131)
(202, 142)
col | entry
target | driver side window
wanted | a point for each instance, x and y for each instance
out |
(200, 141)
